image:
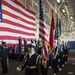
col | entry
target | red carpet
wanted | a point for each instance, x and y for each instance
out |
(0, 69)
(73, 59)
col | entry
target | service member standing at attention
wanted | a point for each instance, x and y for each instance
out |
(20, 44)
(32, 62)
(4, 56)
(25, 45)
(55, 58)
(66, 51)
(59, 42)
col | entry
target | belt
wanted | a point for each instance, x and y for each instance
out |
(31, 67)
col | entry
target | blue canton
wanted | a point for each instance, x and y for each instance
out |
(42, 17)
(0, 11)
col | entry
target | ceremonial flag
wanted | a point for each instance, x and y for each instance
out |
(58, 28)
(43, 34)
(16, 21)
(53, 26)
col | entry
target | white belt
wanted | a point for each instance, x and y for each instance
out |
(31, 67)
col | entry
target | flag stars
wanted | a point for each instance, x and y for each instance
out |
(41, 12)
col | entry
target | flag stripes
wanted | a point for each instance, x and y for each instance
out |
(43, 34)
(17, 21)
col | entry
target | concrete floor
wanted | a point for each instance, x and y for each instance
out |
(69, 68)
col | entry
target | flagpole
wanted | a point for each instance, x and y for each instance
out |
(25, 4)
(52, 28)
(54, 10)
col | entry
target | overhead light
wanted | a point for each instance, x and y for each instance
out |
(72, 22)
(71, 25)
(37, 24)
(63, 10)
(36, 4)
(71, 17)
(58, 1)
(63, 0)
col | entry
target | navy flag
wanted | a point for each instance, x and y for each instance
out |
(58, 29)
(0, 11)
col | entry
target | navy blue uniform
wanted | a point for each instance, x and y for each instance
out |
(20, 44)
(55, 60)
(32, 65)
(25, 45)
(4, 56)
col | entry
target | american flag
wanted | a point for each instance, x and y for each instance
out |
(16, 21)
(43, 34)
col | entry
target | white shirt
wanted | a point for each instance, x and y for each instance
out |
(30, 54)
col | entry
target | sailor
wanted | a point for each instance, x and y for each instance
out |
(4, 57)
(55, 58)
(20, 44)
(60, 52)
(31, 63)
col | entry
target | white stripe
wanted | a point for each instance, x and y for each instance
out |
(18, 7)
(43, 22)
(43, 54)
(43, 35)
(13, 41)
(16, 28)
(2, 33)
(44, 29)
(17, 13)
(17, 21)
(46, 47)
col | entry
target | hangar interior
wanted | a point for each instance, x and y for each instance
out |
(65, 11)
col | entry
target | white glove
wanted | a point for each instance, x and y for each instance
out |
(18, 69)
(63, 55)
(58, 60)
(1, 58)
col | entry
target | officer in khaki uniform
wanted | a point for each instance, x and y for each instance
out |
(31, 62)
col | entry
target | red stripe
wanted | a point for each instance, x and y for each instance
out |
(0, 69)
(43, 57)
(17, 17)
(17, 24)
(46, 53)
(71, 59)
(16, 31)
(42, 37)
(15, 9)
(11, 45)
(6, 21)
(12, 38)
(42, 25)
(15, 1)
(43, 32)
